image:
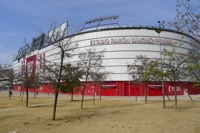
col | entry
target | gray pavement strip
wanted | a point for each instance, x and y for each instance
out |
(30, 106)
(9, 109)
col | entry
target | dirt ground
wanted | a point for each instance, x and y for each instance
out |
(111, 115)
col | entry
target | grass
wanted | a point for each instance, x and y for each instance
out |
(113, 114)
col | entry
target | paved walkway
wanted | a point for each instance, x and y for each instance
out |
(195, 97)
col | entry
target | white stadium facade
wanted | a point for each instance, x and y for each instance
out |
(122, 44)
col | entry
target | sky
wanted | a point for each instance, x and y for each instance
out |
(24, 19)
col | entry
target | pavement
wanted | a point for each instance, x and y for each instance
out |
(182, 97)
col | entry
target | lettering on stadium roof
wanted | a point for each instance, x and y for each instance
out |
(101, 19)
(131, 40)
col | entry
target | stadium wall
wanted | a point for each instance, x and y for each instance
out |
(122, 45)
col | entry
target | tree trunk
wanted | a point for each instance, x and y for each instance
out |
(167, 95)
(188, 94)
(175, 94)
(35, 93)
(94, 93)
(22, 95)
(10, 94)
(58, 85)
(55, 104)
(83, 91)
(145, 87)
(136, 89)
(72, 94)
(175, 90)
(26, 96)
(20, 92)
(48, 89)
(100, 93)
(163, 92)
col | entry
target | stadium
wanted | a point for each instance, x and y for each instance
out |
(122, 44)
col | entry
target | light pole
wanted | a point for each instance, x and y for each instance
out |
(159, 30)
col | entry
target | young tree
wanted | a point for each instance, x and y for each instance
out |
(26, 77)
(90, 60)
(155, 74)
(63, 43)
(51, 74)
(6, 77)
(141, 72)
(38, 80)
(25, 74)
(194, 65)
(136, 77)
(175, 68)
(187, 21)
(98, 77)
(71, 78)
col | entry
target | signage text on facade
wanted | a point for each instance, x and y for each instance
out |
(130, 40)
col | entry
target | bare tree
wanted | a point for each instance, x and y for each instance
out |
(26, 77)
(187, 19)
(6, 78)
(59, 41)
(136, 77)
(193, 63)
(143, 70)
(98, 77)
(25, 74)
(175, 68)
(38, 79)
(140, 72)
(90, 60)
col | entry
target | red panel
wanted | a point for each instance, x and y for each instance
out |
(170, 89)
(141, 89)
(110, 89)
(122, 89)
(89, 90)
(109, 92)
(190, 88)
(155, 91)
(119, 90)
(31, 64)
(131, 88)
(47, 88)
